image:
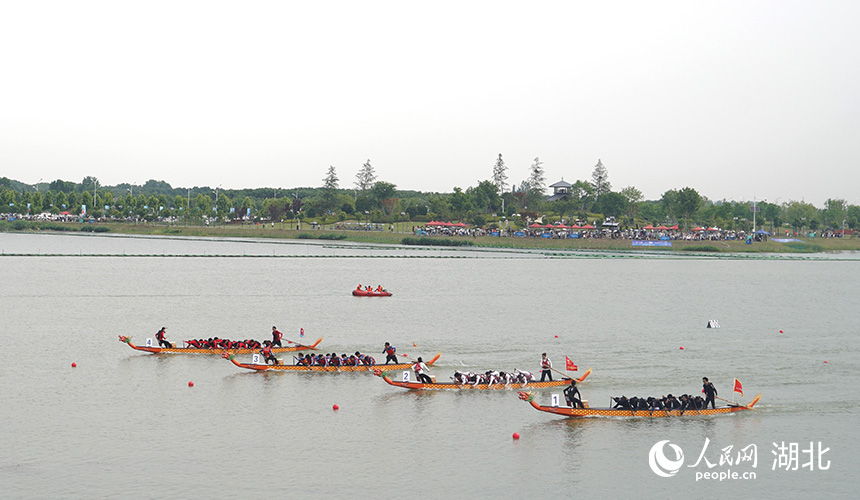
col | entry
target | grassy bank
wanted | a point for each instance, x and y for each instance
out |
(288, 231)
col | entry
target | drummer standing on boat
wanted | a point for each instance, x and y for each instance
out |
(276, 337)
(162, 342)
(389, 351)
(545, 367)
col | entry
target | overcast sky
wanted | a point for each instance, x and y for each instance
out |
(735, 99)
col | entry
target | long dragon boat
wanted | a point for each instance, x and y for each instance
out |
(567, 411)
(315, 368)
(371, 293)
(420, 386)
(216, 350)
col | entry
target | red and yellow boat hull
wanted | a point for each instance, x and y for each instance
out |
(614, 412)
(419, 386)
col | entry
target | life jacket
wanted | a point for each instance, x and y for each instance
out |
(390, 350)
(267, 351)
(159, 335)
(544, 363)
(416, 367)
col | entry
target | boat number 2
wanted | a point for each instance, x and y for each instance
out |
(406, 376)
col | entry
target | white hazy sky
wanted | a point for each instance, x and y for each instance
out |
(737, 99)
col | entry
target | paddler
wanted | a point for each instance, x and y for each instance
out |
(276, 337)
(266, 351)
(421, 370)
(162, 342)
(389, 351)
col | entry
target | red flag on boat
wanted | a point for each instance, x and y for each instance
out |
(569, 366)
(739, 388)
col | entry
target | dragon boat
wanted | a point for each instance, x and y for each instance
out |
(315, 368)
(371, 293)
(420, 386)
(567, 411)
(216, 350)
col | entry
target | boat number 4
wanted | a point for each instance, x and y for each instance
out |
(148, 342)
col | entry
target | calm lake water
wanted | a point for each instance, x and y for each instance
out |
(125, 424)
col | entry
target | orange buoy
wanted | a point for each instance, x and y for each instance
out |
(74, 365)
(516, 435)
(190, 384)
(335, 407)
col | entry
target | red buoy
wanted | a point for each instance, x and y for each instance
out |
(335, 407)
(825, 361)
(681, 348)
(74, 365)
(556, 336)
(516, 435)
(190, 384)
(780, 331)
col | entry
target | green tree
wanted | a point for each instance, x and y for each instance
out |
(500, 175)
(384, 195)
(484, 196)
(365, 177)
(460, 203)
(611, 204)
(536, 181)
(801, 215)
(689, 200)
(329, 190)
(600, 180)
(583, 193)
(632, 197)
(834, 213)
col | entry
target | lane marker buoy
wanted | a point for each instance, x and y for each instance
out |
(516, 435)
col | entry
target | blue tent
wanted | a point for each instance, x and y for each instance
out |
(762, 231)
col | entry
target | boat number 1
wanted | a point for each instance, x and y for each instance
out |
(555, 399)
(406, 376)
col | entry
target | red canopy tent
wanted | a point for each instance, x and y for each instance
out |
(535, 225)
(673, 228)
(587, 226)
(649, 226)
(459, 224)
(697, 228)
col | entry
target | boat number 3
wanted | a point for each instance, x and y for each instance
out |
(256, 359)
